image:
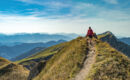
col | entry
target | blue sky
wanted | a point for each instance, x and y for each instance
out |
(68, 16)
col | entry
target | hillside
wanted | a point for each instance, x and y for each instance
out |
(67, 62)
(11, 71)
(43, 55)
(103, 63)
(27, 54)
(3, 62)
(110, 38)
(6, 51)
(110, 64)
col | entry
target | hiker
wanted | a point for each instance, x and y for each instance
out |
(90, 34)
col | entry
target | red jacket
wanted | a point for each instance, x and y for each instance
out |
(90, 32)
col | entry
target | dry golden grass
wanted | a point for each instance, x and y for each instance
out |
(110, 64)
(13, 72)
(67, 62)
(3, 62)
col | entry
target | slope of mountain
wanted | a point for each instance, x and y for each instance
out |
(3, 61)
(114, 42)
(37, 49)
(102, 63)
(11, 71)
(10, 52)
(66, 62)
(14, 51)
(125, 40)
(29, 53)
(110, 64)
(43, 55)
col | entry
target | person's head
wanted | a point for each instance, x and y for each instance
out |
(89, 27)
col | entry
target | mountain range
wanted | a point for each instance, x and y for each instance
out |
(125, 40)
(104, 58)
(33, 38)
(10, 52)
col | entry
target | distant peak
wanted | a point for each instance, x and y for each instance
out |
(108, 35)
(108, 32)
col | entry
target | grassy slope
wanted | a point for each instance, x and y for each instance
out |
(44, 53)
(114, 42)
(110, 64)
(11, 71)
(3, 62)
(65, 63)
(31, 61)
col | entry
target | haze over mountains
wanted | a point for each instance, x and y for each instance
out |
(22, 41)
(19, 38)
(10, 52)
(126, 40)
(36, 49)
(34, 37)
(17, 44)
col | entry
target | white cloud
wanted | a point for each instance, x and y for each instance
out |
(77, 21)
(87, 10)
(112, 1)
(84, 9)
(114, 15)
(32, 24)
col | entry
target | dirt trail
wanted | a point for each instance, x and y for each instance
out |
(90, 60)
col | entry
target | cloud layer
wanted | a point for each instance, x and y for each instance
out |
(70, 16)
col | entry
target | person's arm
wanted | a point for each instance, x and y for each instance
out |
(87, 33)
(92, 33)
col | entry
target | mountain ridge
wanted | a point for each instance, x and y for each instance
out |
(54, 71)
(110, 38)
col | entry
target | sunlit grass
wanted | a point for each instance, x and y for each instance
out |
(67, 62)
(49, 51)
(110, 64)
